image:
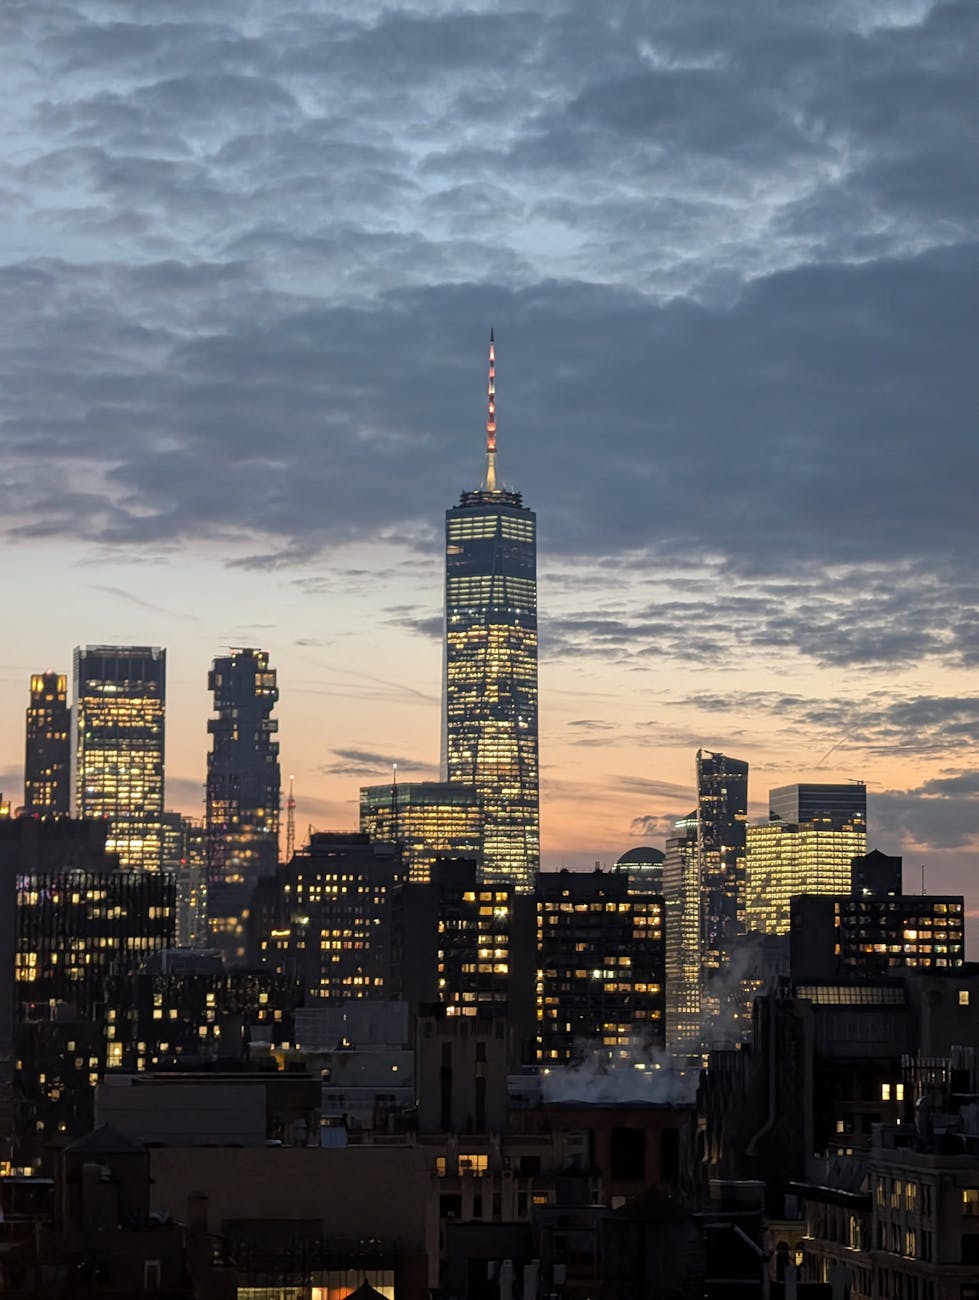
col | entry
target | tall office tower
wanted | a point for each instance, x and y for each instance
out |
(427, 820)
(722, 817)
(47, 761)
(786, 859)
(600, 966)
(117, 747)
(681, 897)
(813, 803)
(490, 696)
(242, 793)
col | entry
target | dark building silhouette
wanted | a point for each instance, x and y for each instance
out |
(75, 928)
(601, 966)
(469, 946)
(117, 747)
(851, 936)
(243, 791)
(47, 759)
(70, 920)
(814, 802)
(490, 699)
(185, 1018)
(325, 917)
(877, 875)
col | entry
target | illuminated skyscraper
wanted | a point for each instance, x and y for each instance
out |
(47, 761)
(681, 894)
(490, 699)
(722, 817)
(425, 819)
(786, 859)
(243, 791)
(117, 747)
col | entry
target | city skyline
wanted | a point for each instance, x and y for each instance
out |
(732, 265)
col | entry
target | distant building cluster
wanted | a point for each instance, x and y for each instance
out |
(401, 1060)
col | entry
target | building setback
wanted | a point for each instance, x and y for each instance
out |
(117, 747)
(490, 688)
(815, 802)
(47, 759)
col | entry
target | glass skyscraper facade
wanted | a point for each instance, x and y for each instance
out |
(681, 893)
(722, 820)
(117, 747)
(490, 692)
(786, 859)
(47, 760)
(812, 802)
(425, 819)
(243, 793)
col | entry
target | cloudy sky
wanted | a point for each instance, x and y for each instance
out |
(251, 253)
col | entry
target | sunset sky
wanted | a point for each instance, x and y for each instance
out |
(251, 254)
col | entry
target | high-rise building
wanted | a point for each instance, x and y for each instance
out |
(790, 858)
(325, 917)
(117, 747)
(814, 803)
(681, 896)
(47, 761)
(490, 699)
(427, 820)
(833, 938)
(469, 946)
(600, 966)
(183, 858)
(722, 818)
(243, 790)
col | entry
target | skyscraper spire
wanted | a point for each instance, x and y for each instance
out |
(489, 483)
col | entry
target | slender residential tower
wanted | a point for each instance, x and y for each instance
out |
(47, 763)
(241, 828)
(490, 698)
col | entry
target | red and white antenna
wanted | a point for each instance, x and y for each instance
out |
(490, 483)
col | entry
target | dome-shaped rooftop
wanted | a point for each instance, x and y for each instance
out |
(641, 856)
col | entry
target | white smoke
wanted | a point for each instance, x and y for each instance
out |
(638, 1074)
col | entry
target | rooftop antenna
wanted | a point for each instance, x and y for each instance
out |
(489, 483)
(922, 879)
(291, 822)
